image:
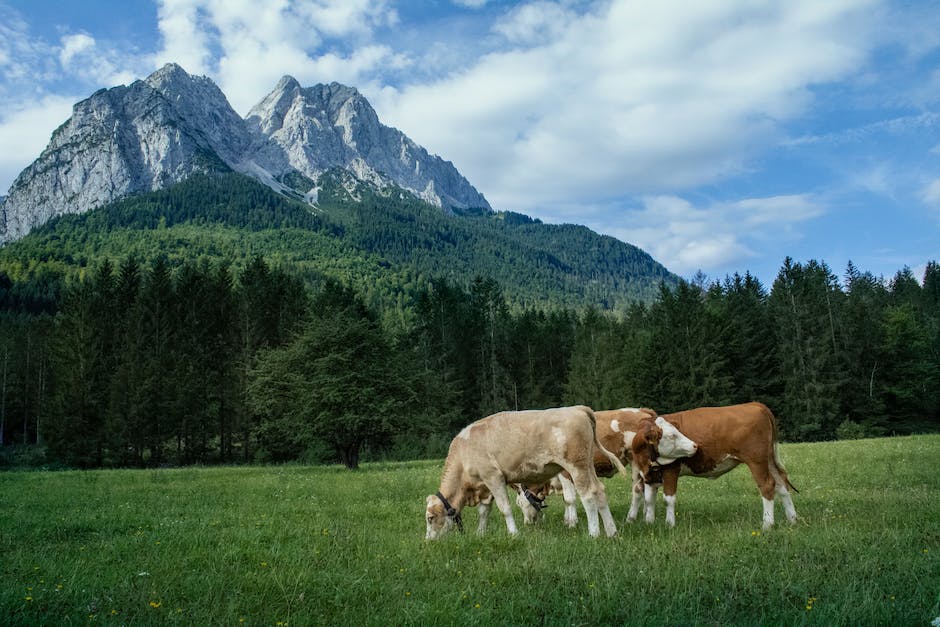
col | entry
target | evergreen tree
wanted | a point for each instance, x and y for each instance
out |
(864, 363)
(128, 408)
(690, 367)
(912, 385)
(803, 306)
(748, 340)
(158, 344)
(489, 329)
(595, 369)
(76, 434)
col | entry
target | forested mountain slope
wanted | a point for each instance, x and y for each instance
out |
(384, 244)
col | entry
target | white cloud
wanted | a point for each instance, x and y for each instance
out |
(931, 194)
(628, 98)
(28, 126)
(185, 41)
(74, 45)
(247, 48)
(81, 57)
(535, 22)
(686, 238)
(23, 59)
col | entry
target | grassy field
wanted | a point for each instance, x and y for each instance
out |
(311, 545)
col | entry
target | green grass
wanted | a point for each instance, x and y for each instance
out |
(313, 545)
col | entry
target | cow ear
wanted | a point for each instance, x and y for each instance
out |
(654, 435)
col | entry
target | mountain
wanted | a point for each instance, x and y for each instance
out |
(325, 126)
(164, 167)
(159, 131)
(387, 244)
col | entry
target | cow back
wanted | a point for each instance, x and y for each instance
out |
(526, 446)
(745, 431)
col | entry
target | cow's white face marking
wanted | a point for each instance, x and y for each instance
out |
(615, 426)
(559, 436)
(674, 443)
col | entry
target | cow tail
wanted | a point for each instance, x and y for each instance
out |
(613, 458)
(780, 467)
(776, 460)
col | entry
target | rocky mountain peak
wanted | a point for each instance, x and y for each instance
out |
(158, 131)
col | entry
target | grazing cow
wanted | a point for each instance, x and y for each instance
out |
(527, 447)
(726, 437)
(615, 431)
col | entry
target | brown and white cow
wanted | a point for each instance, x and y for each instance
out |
(615, 431)
(528, 447)
(726, 437)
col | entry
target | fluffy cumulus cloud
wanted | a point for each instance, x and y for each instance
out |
(247, 48)
(626, 98)
(687, 238)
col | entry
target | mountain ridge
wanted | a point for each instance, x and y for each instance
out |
(160, 130)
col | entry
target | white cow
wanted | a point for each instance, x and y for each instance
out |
(528, 447)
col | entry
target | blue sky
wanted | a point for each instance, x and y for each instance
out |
(719, 136)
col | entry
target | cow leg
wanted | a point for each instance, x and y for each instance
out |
(636, 489)
(649, 493)
(768, 488)
(570, 494)
(483, 509)
(610, 527)
(594, 499)
(670, 483)
(498, 489)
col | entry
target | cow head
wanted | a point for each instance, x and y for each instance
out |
(645, 446)
(673, 443)
(440, 518)
(531, 500)
(659, 442)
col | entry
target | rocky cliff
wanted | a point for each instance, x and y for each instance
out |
(157, 132)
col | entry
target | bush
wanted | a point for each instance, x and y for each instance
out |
(850, 430)
(22, 457)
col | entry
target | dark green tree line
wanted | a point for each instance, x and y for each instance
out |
(150, 363)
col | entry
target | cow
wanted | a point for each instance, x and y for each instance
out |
(615, 431)
(529, 447)
(726, 437)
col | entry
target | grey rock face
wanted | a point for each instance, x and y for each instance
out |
(159, 131)
(140, 137)
(326, 126)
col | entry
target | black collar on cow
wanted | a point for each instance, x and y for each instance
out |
(536, 502)
(450, 511)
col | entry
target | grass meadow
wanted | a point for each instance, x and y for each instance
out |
(297, 545)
